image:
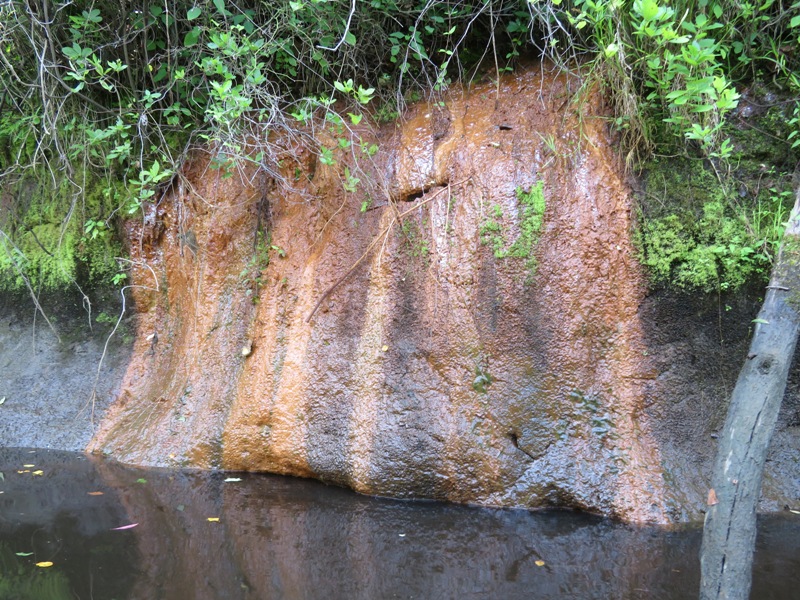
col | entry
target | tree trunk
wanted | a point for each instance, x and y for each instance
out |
(730, 526)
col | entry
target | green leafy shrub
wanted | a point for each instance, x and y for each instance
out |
(123, 93)
(721, 248)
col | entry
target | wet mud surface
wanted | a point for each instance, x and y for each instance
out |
(417, 336)
(287, 538)
(47, 376)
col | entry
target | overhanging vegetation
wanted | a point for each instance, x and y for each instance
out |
(102, 101)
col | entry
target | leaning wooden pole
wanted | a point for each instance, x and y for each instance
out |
(730, 526)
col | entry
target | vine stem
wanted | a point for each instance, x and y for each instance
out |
(395, 219)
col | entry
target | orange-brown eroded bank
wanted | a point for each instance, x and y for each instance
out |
(435, 369)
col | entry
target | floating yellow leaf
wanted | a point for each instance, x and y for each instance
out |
(95, 493)
(385, 348)
(25, 471)
(213, 519)
(40, 473)
(28, 466)
(44, 564)
(539, 563)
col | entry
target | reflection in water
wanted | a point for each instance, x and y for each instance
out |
(282, 538)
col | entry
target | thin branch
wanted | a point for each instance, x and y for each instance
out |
(93, 396)
(379, 237)
(346, 29)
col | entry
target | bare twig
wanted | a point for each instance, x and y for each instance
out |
(378, 238)
(346, 29)
(93, 396)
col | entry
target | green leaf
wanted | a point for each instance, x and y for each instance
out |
(350, 39)
(24, 553)
(763, 321)
(220, 4)
(648, 9)
(191, 37)
(193, 13)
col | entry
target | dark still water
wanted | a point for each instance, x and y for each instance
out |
(200, 537)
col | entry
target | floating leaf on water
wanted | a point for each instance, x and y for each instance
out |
(28, 466)
(124, 527)
(95, 493)
(39, 473)
(141, 480)
(385, 348)
(2, 477)
(213, 519)
(796, 512)
(25, 471)
(180, 507)
(764, 321)
(44, 564)
(539, 563)
(712, 497)
(24, 553)
(2, 400)
(232, 479)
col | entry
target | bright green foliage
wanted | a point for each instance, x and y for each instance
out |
(39, 246)
(532, 207)
(491, 232)
(708, 242)
(123, 91)
(715, 252)
(671, 67)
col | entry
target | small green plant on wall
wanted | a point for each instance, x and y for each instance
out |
(252, 273)
(532, 206)
(416, 244)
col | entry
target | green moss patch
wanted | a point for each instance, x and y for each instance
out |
(56, 236)
(696, 233)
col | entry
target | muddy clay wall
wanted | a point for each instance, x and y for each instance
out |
(368, 334)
